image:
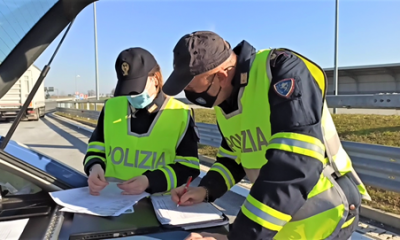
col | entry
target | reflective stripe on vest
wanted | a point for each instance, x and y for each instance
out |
(298, 143)
(87, 159)
(95, 147)
(130, 154)
(98, 147)
(326, 206)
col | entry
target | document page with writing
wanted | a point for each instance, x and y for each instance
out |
(169, 213)
(12, 230)
(110, 202)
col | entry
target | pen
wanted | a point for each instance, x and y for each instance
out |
(186, 187)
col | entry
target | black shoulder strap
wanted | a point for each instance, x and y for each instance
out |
(192, 113)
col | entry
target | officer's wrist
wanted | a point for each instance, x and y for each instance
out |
(147, 181)
(91, 167)
(206, 197)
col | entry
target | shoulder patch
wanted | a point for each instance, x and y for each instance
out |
(284, 87)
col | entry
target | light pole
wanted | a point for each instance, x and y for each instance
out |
(95, 51)
(335, 70)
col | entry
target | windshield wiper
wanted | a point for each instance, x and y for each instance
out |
(39, 81)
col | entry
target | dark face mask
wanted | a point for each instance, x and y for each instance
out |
(203, 98)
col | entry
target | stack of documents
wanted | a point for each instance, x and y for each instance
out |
(200, 215)
(110, 202)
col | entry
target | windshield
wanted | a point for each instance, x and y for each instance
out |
(16, 19)
(16, 185)
(45, 164)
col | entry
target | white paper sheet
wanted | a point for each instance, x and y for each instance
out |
(110, 202)
(12, 230)
(130, 210)
(168, 213)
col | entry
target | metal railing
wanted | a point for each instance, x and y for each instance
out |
(365, 101)
(377, 165)
(90, 114)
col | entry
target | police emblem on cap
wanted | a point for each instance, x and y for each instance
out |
(284, 87)
(125, 68)
(201, 100)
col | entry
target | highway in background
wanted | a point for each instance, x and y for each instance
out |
(68, 144)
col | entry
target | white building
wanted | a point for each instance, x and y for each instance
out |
(368, 79)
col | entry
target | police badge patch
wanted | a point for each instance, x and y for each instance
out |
(284, 87)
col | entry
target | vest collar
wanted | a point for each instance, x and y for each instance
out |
(246, 54)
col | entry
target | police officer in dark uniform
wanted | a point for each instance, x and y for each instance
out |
(276, 127)
(143, 139)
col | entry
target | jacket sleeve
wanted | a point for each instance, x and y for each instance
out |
(95, 153)
(295, 152)
(224, 173)
(186, 164)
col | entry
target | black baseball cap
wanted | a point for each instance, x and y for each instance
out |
(194, 54)
(133, 66)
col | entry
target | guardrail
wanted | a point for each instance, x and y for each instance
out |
(377, 165)
(366, 101)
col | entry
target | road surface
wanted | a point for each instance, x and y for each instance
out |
(68, 144)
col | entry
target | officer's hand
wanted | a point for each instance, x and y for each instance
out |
(193, 195)
(96, 180)
(206, 236)
(134, 186)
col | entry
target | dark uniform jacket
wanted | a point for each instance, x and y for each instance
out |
(285, 181)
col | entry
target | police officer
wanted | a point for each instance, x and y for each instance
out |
(271, 111)
(143, 139)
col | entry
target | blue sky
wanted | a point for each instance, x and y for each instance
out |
(368, 33)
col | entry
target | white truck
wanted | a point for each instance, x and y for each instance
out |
(11, 103)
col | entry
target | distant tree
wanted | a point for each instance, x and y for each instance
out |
(91, 93)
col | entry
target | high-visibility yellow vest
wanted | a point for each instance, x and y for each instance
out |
(248, 133)
(130, 154)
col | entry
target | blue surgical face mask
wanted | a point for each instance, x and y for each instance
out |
(141, 100)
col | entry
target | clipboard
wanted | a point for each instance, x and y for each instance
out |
(165, 212)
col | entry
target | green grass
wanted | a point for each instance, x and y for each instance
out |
(373, 129)
(88, 121)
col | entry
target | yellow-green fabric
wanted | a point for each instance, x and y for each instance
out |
(130, 154)
(248, 133)
(247, 136)
(95, 147)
